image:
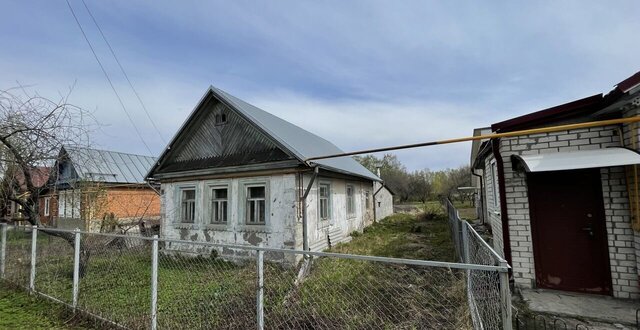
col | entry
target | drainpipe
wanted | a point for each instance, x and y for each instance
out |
(305, 235)
(504, 217)
(375, 215)
(473, 172)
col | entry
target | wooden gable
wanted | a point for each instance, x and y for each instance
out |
(218, 136)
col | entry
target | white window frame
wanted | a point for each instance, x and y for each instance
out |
(47, 206)
(180, 213)
(211, 200)
(350, 200)
(494, 182)
(327, 198)
(244, 186)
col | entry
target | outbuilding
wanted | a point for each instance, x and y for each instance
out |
(563, 205)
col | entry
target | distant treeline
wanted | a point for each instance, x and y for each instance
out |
(421, 185)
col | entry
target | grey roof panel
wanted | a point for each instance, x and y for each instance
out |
(302, 143)
(109, 166)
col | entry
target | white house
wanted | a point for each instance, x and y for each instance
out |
(236, 174)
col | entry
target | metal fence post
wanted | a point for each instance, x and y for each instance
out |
(76, 267)
(3, 248)
(505, 297)
(154, 283)
(465, 241)
(34, 240)
(260, 290)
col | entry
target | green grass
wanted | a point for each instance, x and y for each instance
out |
(18, 310)
(200, 292)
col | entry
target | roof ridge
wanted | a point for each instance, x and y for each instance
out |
(111, 151)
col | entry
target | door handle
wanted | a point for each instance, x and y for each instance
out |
(588, 229)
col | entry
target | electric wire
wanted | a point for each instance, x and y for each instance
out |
(126, 76)
(124, 108)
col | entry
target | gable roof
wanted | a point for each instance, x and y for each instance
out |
(108, 166)
(298, 142)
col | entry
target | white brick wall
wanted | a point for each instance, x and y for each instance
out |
(623, 254)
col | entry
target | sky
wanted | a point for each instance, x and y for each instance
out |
(362, 74)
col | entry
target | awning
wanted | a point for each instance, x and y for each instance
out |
(573, 160)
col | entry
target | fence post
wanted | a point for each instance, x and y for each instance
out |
(154, 283)
(505, 297)
(465, 241)
(3, 248)
(260, 290)
(76, 267)
(34, 240)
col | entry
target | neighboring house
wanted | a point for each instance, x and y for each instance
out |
(97, 190)
(563, 206)
(236, 174)
(12, 211)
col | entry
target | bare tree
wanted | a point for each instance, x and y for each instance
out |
(32, 131)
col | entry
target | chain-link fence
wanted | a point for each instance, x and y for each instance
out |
(146, 282)
(487, 292)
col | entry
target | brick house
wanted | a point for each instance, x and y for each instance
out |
(236, 174)
(98, 190)
(563, 206)
(11, 211)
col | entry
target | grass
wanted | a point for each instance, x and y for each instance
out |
(200, 292)
(18, 310)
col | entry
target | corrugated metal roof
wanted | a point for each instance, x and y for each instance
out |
(109, 166)
(303, 144)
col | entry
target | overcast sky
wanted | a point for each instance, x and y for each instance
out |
(361, 74)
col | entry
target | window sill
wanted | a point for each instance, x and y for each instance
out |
(185, 226)
(324, 223)
(254, 228)
(218, 226)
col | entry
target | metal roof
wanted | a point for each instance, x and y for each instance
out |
(303, 144)
(109, 166)
(572, 160)
(300, 143)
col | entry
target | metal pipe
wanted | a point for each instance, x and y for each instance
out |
(502, 195)
(305, 235)
(154, 283)
(487, 136)
(34, 240)
(260, 290)
(375, 214)
(481, 215)
(76, 268)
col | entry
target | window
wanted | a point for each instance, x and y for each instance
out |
(221, 118)
(188, 205)
(256, 205)
(219, 203)
(324, 191)
(47, 205)
(367, 201)
(494, 182)
(351, 205)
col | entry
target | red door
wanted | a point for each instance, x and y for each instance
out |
(569, 231)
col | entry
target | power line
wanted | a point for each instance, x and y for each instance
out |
(108, 79)
(123, 72)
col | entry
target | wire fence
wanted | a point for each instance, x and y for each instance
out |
(487, 292)
(123, 281)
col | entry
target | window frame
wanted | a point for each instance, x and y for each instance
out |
(47, 206)
(210, 199)
(244, 208)
(350, 200)
(328, 201)
(179, 198)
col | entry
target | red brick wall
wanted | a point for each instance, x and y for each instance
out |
(53, 208)
(132, 202)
